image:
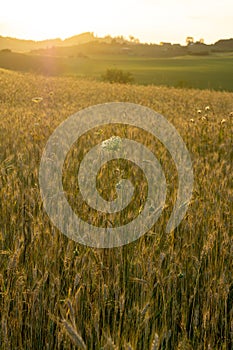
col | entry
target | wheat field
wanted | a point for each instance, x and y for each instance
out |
(163, 291)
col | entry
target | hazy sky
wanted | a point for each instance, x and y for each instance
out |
(148, 20)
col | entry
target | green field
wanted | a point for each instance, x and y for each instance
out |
(204, 73)
(207, 72)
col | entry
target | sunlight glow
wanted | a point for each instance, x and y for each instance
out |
(148, 20)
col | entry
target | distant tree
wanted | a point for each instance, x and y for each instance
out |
(117, 76)
(120, 39)
(107, 38)
(189, 40)
(200, 41)
(6, 50)
(133, 39)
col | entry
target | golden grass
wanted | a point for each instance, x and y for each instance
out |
(164, 291)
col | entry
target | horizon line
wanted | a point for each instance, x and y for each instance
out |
(102, 37)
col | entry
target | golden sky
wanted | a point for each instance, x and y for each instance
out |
(148, 20)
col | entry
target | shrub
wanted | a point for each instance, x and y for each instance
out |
(5, 50)
(118, 76)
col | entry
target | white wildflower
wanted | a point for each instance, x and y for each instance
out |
(112, 144)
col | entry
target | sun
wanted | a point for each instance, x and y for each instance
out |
(48, 19)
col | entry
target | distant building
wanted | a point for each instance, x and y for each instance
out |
(165, 44)
(126, 49)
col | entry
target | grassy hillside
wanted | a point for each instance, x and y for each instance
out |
(20, 45)
(210, 72)
(164, 291)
